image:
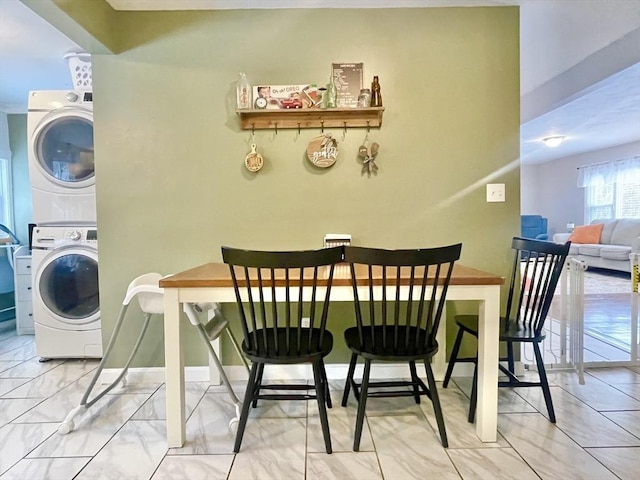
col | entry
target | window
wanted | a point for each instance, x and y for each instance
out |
(5, 193)
(612, 189)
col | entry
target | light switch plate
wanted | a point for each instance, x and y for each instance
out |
(495, 192)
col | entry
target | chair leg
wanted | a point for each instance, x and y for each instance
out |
(474, 395)
(544, 383)
(325, 382)
(362, 403)
(510, 359)
(414, 380)
(437, 409)
(258, 383)
(347, 383)
(248, 397)
(453, 358)
(318, 375)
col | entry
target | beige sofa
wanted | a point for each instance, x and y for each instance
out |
(618, 239)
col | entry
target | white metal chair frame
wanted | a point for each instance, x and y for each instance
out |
(150, 298)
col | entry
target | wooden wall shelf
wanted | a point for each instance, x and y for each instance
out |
(311, 118)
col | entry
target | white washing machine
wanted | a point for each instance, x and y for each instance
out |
(66, 303)
(60, 151)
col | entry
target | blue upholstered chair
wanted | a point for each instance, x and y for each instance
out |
(533, 226)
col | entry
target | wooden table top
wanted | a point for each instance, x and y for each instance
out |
(217, 275)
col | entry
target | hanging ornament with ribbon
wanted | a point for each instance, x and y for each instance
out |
(368, 155)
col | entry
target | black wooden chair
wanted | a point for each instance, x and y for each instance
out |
(397, 317)
(536, 269)
(273, 309)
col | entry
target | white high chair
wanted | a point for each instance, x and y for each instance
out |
(150, 298)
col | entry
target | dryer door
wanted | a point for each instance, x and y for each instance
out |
(67, 285)
(63, 147)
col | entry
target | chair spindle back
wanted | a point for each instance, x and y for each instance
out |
(537, 266)
(406, 326)
(268, 314)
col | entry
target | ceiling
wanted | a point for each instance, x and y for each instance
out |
(562, 41)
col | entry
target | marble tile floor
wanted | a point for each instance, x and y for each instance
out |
(122, 437)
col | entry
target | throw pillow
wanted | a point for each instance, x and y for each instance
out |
(587, 233)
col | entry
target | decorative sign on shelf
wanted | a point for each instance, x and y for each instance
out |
(348, 80)
(277, 97)
(323, 151)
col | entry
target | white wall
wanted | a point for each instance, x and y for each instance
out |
(560, 34)
(549, 189)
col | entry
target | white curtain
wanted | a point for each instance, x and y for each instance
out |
(620, 171)
(5, 151)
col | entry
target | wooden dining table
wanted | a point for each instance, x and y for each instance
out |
(212, 282)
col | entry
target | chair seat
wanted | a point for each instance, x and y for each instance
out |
(381, 351)
(284, 355)
(510, 330)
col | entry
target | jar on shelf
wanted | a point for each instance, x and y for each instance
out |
(364, 99)
(243, 93)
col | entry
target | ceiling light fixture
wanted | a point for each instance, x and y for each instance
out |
(553, 141)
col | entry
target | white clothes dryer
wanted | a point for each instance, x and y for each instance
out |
(60, 153)
(66, 303)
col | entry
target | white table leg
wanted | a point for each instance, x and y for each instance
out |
(174, 369)
(488, 349)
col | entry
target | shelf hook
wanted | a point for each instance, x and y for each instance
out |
(321, 126)
(368, 127)
(253, 129)
(276, 127)
(298, 128)
(345, 127)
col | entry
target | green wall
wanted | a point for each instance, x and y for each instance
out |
(20, 175)
(171, 183)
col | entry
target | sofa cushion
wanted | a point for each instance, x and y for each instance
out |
(574, 249)
(590, 250)
(587, 233)
(626, 230)
(615, 252)
(607, 229)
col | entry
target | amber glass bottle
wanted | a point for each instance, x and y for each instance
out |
(376, 96)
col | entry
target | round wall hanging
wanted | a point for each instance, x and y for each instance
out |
(323, 151)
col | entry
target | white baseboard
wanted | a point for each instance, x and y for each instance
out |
(335, 371)
(153, 375)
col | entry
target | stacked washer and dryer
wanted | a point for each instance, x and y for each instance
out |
(66, 305)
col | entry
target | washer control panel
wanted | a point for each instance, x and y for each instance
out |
(58, 236)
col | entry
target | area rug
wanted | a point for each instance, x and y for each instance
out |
(601, 281)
